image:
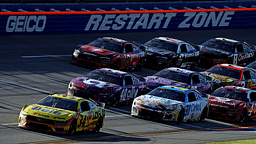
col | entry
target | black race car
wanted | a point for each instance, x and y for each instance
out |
(163, 52)
(223, 50)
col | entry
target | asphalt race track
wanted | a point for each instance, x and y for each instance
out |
(33, 66)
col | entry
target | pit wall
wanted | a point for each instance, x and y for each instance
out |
(125, 17)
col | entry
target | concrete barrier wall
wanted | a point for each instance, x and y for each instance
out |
(157, 18)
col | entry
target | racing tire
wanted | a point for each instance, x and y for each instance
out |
(72, 128)
(180, 116)
(117, 65)
(139, 65)
(115, 100)
(98, 125)
(243, 116)
(203, 114)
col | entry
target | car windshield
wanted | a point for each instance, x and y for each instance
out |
(169, 94)
(217, 44)
(162, 45)
(176, 76)
(105, 44)
(106, 77)
(59, 103)
(231, 94)
(226, 71)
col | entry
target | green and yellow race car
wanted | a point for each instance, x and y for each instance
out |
(59, 113)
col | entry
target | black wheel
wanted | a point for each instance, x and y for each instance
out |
(117, 64)
(243, 116)
(72, 128)
(180, 116)
(140, 65)
(203, 114)
(98, 125)
(115, 100)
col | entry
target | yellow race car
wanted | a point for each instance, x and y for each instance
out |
(59, 113)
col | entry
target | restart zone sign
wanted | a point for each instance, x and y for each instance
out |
(124, 21)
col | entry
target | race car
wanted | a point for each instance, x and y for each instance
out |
(181, 78)
(110, 52)
(108, 85)
(172, 104)
(163, 52)
(59, 113)
(233, 103)
(228, 74)
(222, 50)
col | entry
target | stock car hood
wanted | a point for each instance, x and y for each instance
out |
(97, 51)
(224, 102)
(214, 52)
(49, 112)
(157, 102)
(158, 51)
(154, 81)
(93, 85)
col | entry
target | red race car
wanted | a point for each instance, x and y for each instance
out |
(110, 52)
(233, 103)
(228, 74)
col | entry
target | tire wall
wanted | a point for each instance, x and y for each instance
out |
(124, 17)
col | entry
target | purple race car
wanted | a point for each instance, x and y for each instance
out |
(181, 78)
(108, 85)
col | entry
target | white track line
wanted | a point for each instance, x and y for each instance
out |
(191, 125)
(111, 108)
(28, 87)
(46, 56)
(8, 124)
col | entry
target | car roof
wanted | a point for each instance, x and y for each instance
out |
(231, 41)
(238, 88)
(167, 39)
(175, 88)
(112, 71)
(233, 66)
(64, 96)
(180, 70)
(117, 40)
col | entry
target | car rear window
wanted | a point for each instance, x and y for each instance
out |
(219, 45)
(226, 71)
(175, 76)
(110, 78)
(109, 45)
(162, 45)
(231, 94)
(169, 94)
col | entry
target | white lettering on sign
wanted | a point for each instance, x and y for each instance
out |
(203, 19)
(157, 20)
(26, 23)
(133, 21)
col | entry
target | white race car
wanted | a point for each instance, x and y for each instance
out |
(169, 103)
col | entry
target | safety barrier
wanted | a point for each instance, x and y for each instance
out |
(124, 17)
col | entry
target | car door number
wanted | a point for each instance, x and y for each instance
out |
(128, 93)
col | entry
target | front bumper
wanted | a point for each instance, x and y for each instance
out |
(223, 114)
(35, 125)
(153, 114)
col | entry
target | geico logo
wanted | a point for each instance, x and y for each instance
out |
(158, 20)
(26, 23)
